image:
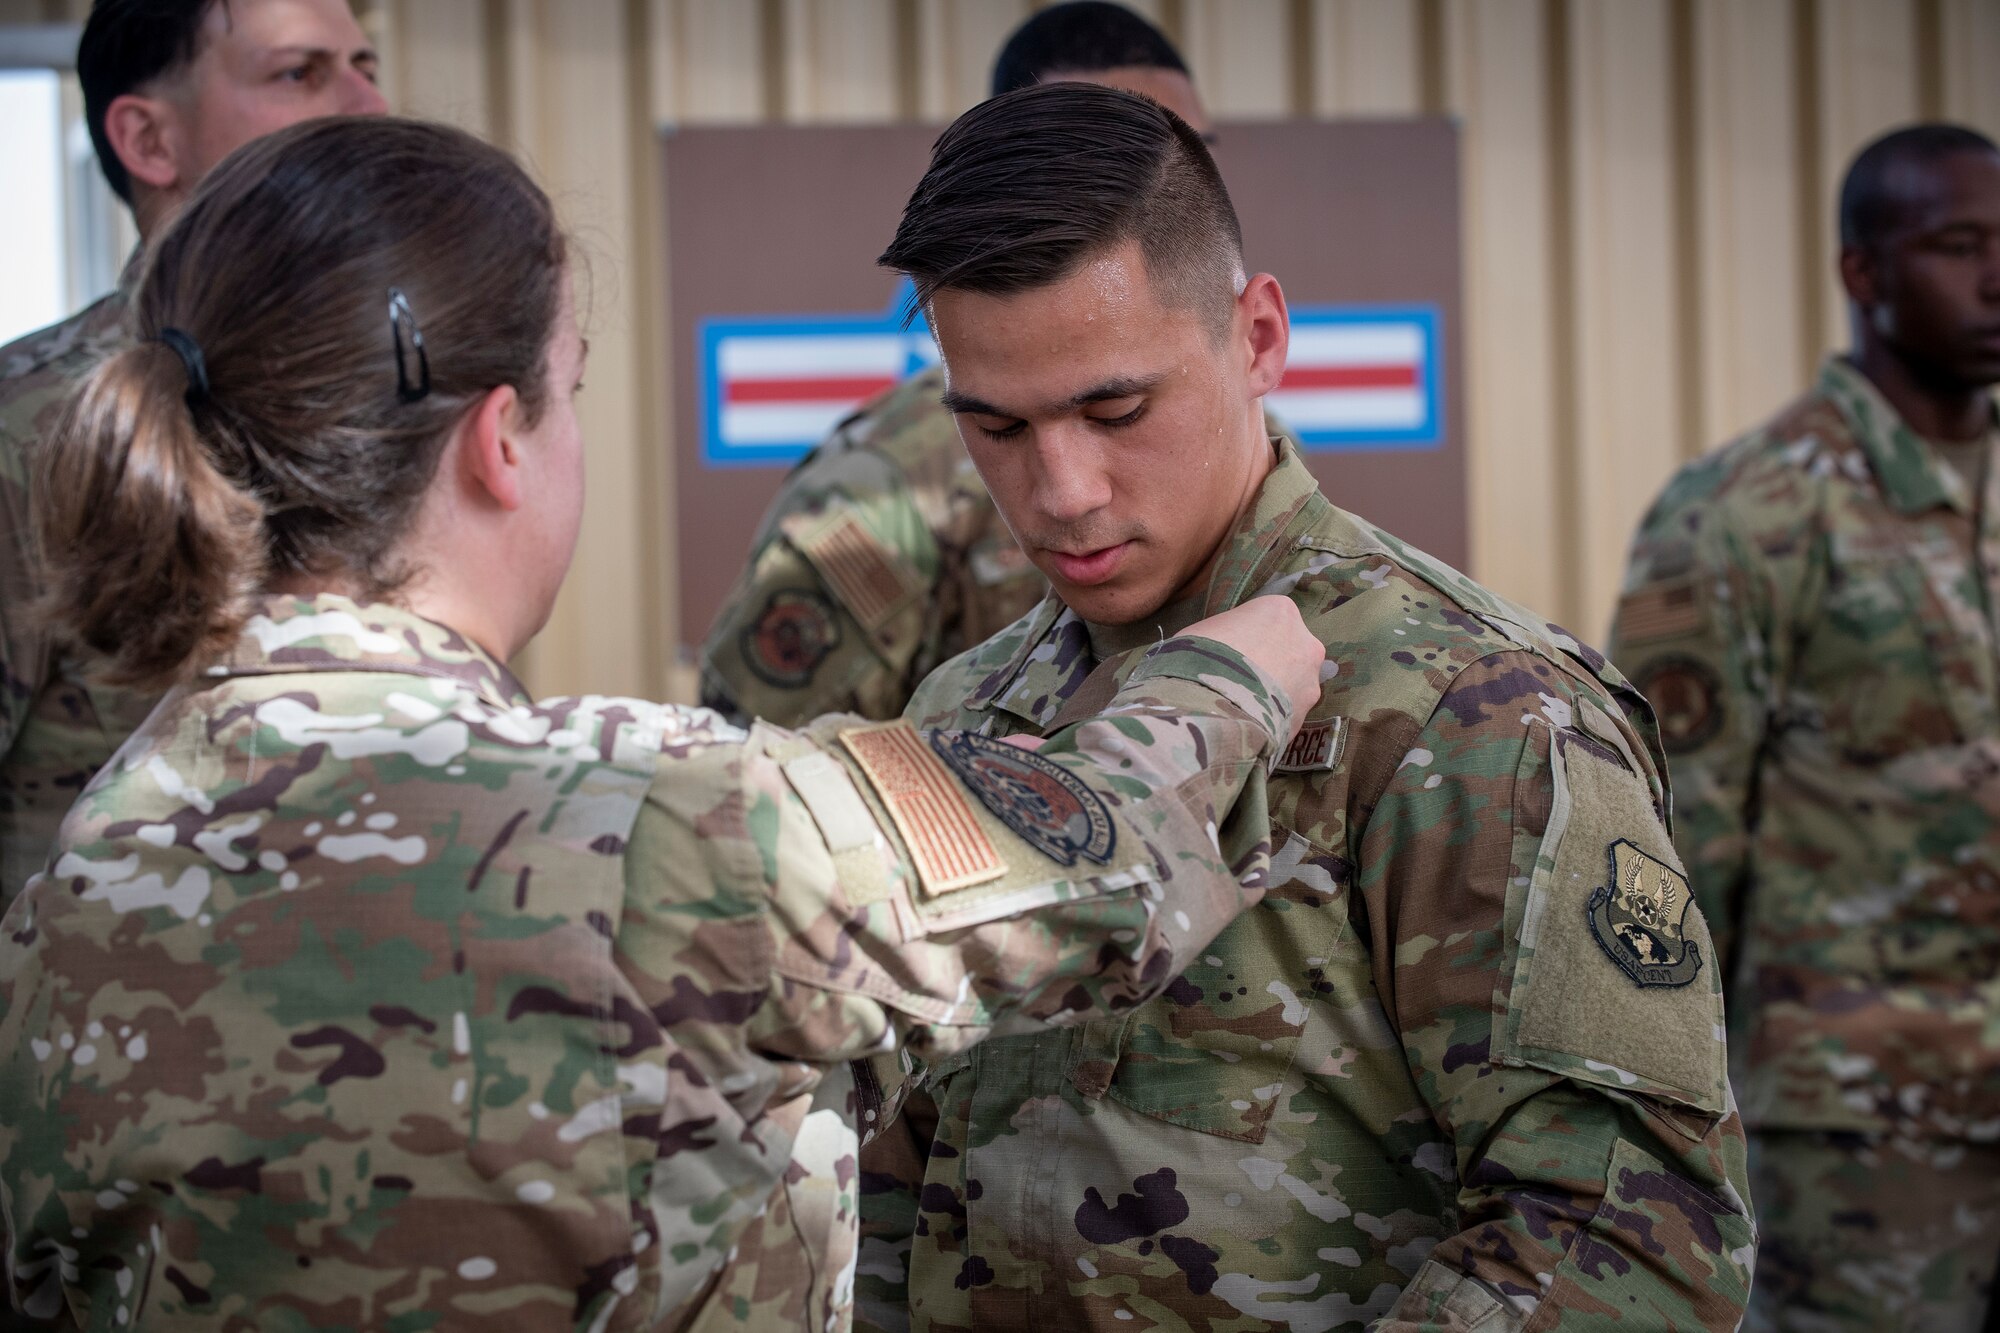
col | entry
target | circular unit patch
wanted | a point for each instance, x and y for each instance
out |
(1040, 800)
(791, 637)
(1686, 694)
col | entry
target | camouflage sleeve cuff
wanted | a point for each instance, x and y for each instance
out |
(1190, 674)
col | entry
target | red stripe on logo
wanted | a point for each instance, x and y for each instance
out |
(842, 388)
(1349, 377)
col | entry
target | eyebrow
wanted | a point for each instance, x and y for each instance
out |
(359, 55)
(1120, 386)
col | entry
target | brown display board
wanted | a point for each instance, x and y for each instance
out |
(779, 316)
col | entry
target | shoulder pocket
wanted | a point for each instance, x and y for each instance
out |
(1613, 979)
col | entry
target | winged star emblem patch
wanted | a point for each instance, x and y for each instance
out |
(1640, 919)
(1041, 801)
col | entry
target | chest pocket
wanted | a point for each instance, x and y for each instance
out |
(1902, 657)
(1214, 1051)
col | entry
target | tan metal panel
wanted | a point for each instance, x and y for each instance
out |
(1365, 58)
(842, 60)
(1628, 369)
(1969, 42)
(1749, 187)
(707, 62)
(1241, 54)
(1866, 58)
(1497, 70)
(435, 61)
(573, 113)
(956, 43)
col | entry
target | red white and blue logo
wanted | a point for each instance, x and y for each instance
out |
(774, 386)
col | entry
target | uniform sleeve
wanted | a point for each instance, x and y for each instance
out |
(1694, 633)
(877, 889)
(1559, 1010)
(831, 611)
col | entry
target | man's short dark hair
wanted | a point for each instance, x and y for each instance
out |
(1082, 37)
(126, 45)
(1028, 187)
(1871, 199)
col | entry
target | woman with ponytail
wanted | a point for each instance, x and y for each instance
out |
(363, 991)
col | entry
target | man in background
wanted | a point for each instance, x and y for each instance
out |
(1812, 611)
(170, 88)
(882, 555)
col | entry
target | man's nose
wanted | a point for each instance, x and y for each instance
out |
(1072, 481)
(360, 96)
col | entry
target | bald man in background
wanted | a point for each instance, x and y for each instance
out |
(882, 555)
(170, 88)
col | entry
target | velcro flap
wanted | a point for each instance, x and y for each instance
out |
(1614, 981)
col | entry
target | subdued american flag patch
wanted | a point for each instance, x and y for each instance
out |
(927, 804)
(871, 581)
(1660, 610)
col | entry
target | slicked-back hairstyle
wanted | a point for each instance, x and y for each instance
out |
(1026, 188)
(1871, 198)
(1081, 37)
(126, 45)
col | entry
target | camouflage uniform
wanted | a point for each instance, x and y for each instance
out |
(1811, 610)
(880, 558)
(56, 729)
(364, 993)
(1461, 1069)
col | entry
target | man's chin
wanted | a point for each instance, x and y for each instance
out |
(1110, 605)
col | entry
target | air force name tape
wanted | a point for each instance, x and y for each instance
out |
(1040, 800)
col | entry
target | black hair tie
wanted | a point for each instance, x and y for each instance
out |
(189, 351)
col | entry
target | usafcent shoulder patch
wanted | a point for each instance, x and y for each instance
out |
(1042, 802)
(1640, 917)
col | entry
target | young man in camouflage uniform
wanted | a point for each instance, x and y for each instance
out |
(169, 89)
(1811, 610)
(882, 555)
(1463, 1068)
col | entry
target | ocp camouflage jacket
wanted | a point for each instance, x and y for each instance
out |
(1462, 1067)
(1812, 610)
(362, 992)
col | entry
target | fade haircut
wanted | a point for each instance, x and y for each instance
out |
(1083, 37)
(1872, 198)
(126, 45)
(1025, 189)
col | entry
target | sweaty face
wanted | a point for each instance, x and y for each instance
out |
(266, 64)
(1938, 273)
(1120, 436)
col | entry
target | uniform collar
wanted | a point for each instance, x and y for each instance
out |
(1910, 472)
(328, 633)
(1287, 504)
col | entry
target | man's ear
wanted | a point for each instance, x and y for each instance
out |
(488, 454)
(149, 138)
(1861, 275)
(1265, 327)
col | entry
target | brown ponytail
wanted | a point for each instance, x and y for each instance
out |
(161, 515)
(156, 553)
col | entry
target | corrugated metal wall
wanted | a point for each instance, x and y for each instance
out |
(1648, 220)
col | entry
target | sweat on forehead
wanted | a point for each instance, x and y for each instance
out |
(1024, 189)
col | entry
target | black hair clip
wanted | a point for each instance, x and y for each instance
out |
(399, 315)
